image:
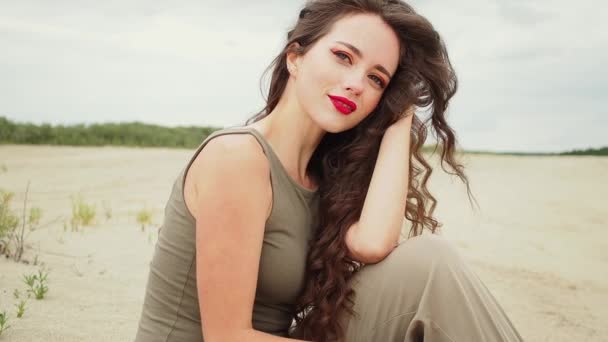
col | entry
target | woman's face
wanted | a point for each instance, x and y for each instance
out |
(355, 60)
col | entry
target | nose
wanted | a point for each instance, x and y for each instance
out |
(354, 84)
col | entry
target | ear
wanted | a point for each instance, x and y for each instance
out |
(293, 60)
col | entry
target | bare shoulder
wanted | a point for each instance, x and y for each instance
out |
(232, 148)
(232, 193)
(229, 160)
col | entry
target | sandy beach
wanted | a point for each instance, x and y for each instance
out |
(539, 240)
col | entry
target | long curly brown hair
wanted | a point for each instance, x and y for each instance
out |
(343, 162)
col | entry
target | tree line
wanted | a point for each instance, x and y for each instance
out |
(120, 134)
(148, 135)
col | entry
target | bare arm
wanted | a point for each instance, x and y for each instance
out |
(377, 232)
(231, 181)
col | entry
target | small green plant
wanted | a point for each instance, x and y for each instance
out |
(20, 308)
(3, 322)
(34, 217)
(37, 284)
(8, 220)
(14, 232)
(144, 218)
(3, 168)
(82, 213)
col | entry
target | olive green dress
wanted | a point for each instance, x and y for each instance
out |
(171, 308)
(422, 291)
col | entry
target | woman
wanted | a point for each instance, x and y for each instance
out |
(295, 217)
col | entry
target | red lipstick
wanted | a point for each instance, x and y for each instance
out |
(343, 105)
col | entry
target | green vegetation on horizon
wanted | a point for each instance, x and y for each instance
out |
(148, 135)
(602, 151)
(117, 134)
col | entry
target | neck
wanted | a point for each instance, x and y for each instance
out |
(294, 138)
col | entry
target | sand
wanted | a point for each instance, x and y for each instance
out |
(539, 240)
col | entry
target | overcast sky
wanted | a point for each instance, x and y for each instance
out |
(532, 73)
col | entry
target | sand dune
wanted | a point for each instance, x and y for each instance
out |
(539, 241)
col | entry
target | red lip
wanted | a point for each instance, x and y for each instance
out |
(351, 106)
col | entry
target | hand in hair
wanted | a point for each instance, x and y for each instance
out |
(405, 122)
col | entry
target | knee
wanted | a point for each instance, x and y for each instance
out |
(415, 258)
(402, 277)
(427, 248)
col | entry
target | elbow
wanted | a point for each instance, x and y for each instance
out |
(374, 255)
(367, 252)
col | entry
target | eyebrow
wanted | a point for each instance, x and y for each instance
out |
(360, 54)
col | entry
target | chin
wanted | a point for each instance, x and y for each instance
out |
(337, 128)
(330, 124)
(331, 121)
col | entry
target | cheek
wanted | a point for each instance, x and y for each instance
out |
(372, 101)
(311, 86)
(305, 89)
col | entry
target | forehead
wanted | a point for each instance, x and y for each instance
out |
(370, 34)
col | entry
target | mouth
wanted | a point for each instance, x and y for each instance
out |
(343, 105)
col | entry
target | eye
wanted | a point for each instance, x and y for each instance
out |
(380, 82)
(345, 57)
(339, 53)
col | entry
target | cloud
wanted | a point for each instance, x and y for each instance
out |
(531, 74)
